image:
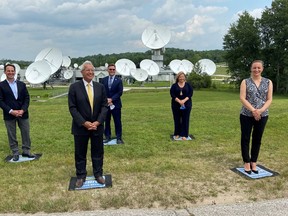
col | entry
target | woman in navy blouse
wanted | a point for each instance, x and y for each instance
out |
(181, 103)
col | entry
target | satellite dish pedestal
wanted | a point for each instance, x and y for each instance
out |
(157, 57)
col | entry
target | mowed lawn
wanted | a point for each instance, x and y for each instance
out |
(149, 170)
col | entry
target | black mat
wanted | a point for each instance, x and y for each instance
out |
(190, 137)
(9, 158)
(263, 172)
(91, 183)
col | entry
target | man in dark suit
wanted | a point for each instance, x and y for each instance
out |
(114, 88)
(14, 100)
(88, 110)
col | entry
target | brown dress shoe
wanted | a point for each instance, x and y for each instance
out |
(79, 183)
(100, 180)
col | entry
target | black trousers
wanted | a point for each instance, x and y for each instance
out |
(181, 121)
(247, 124)
(97, 154)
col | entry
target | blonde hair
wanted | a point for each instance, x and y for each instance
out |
(178, 75)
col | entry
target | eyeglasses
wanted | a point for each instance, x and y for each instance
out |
(112, 69)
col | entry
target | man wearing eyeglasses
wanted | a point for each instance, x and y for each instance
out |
(114, 90)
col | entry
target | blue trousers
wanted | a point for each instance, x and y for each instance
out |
(116, 113)
(247, 124)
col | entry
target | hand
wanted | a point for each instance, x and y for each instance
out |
(89, 125)
(256, 114)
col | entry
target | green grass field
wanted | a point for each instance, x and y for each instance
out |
(149, 170)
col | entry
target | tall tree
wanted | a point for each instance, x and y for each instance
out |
(242, 45)
(274, 29)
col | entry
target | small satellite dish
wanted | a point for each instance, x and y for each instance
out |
(187, 65)
(38, 72)
(139, 74)
(124, 66)
(68, 74)
(150, 66)
(66, 61)
(75, 65)
(17, 68)
(1, 67)
(3, 77)
(106, 65)
(53, 56)
(177, 65)
(156, 37)
(207, 66)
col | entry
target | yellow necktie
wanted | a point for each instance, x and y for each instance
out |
(90, 95)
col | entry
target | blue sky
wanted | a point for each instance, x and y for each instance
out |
(90, 27)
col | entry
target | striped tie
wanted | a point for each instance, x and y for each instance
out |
(90, 95)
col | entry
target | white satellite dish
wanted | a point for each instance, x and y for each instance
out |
(1, 67)
(124, 66)
(66, 61)
(207, 66)
(17, 68)
(38, 72)
(156, 37)
(68, 74)
(139, 74)
(177, 65)
(150, 66)
(53, 56)
(3, 77)
(106, 65)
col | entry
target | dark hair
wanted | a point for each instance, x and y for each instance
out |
(109, 65)
(11, 65)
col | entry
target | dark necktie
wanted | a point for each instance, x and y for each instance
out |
(110, 82)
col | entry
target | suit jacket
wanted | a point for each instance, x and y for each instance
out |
(80, 109)
(8, 100)
(116, 90)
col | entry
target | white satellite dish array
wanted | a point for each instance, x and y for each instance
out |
(126, 67)
(205, 66)
(17, 70)
(47, 62)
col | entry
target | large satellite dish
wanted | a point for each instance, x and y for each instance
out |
(177, 65)
(124, 66)
(68, 74)
(207, 66)
(139, 74)
(53, 56)
(150, 66)
(156, 37)
(66, 61)
(38, 72)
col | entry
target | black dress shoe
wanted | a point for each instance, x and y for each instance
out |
(79, 182)
(100, 180)
(15, 157)
(29, 155)
(119, 141)
(255, 171)
(247, 171)
(107, 140)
